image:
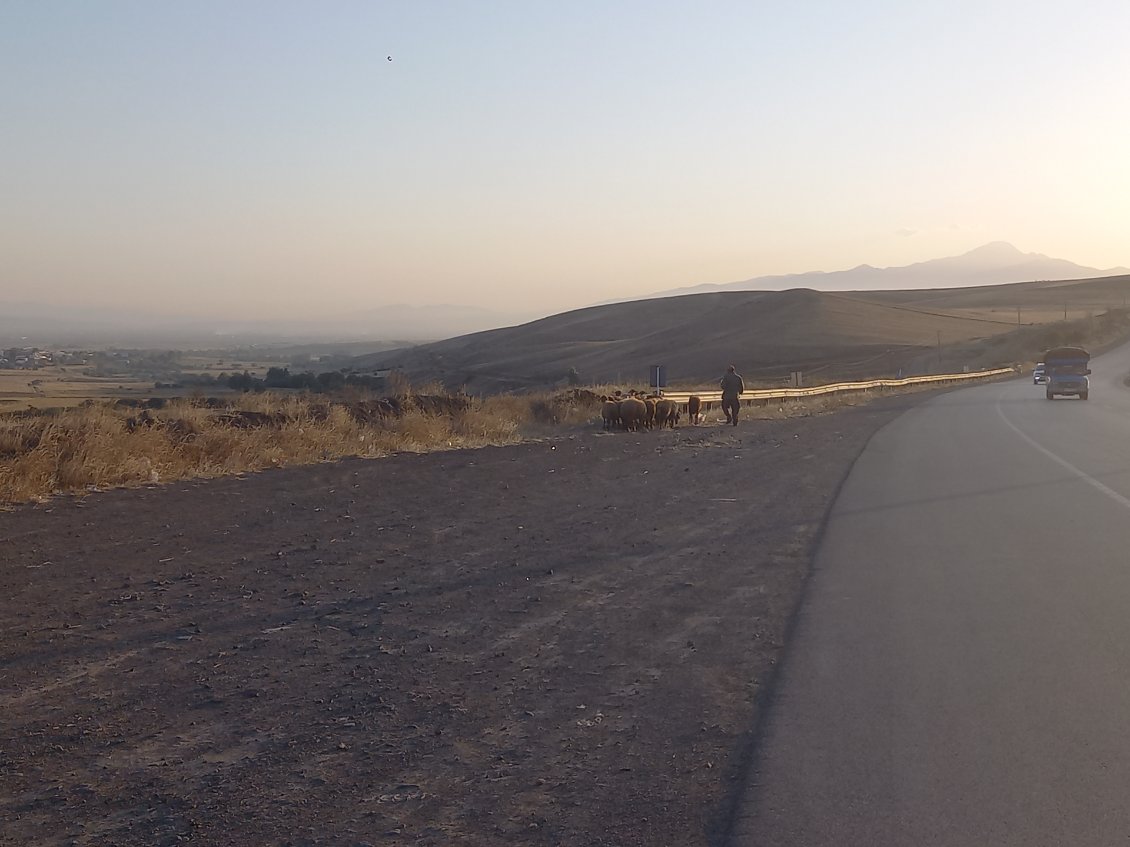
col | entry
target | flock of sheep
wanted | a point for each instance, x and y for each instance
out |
(636, 411)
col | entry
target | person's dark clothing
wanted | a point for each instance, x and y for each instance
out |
(732, 388)
(730, 409)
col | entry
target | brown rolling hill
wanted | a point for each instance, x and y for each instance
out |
(766, 334)
(1081, 295)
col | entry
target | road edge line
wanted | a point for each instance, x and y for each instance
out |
(1083, 475)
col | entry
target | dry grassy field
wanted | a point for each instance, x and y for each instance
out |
(64, 386)
(217, 365)
(59, 387)
(103, 444)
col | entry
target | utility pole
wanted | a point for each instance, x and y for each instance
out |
(1018, 316)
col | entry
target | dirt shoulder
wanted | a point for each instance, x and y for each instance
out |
(561, 642)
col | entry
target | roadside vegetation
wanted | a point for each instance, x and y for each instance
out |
(106, 444)
(130, 443)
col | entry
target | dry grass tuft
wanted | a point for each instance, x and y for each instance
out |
(98, 446)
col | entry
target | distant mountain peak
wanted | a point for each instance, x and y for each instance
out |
(998, 249)
(994, 263)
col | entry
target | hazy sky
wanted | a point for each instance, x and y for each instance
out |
(284, 158)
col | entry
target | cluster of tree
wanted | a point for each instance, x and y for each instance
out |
(322, 383)
(198, 379)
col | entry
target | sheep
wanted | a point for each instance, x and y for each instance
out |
(666, 413)
(649, 414)
(633, 412)
(694, 409)
(610, 413)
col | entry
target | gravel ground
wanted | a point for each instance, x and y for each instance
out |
(562, 642)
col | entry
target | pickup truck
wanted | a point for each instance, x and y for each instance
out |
(1066, 370)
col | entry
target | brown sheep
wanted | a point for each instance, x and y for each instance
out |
(694, 409)
(649, 415)
(610, 413)
(666, 413)
(632, 414)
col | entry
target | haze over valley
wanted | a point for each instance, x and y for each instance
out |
(48, 325)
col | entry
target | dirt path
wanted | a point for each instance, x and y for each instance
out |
(562, 642)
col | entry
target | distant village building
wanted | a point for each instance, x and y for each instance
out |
(21, 357)
(33, 357)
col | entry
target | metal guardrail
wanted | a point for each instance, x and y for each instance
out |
(832, 388)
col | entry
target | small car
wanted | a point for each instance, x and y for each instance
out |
(1039, 375)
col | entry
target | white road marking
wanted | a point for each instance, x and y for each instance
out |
(1083, 475)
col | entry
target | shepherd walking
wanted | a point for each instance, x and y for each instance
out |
(732, 388)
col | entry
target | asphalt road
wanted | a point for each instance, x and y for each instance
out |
(959, 672)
